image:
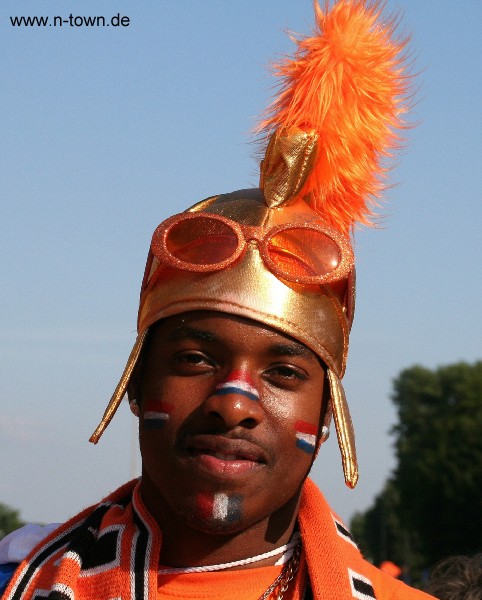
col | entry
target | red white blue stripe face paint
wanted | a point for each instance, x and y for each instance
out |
(219, 507)
(306, 436)
(238, 382)
(156, 414)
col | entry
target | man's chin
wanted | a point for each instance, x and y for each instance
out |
(215, 526)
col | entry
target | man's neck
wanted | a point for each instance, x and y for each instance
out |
(183, 545)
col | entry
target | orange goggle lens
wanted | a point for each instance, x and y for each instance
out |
(207, 241)
(301, 252)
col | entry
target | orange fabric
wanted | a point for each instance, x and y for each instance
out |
(112, 550)
(390, 568)
(334, 560)
(245, 584)
(348, 85)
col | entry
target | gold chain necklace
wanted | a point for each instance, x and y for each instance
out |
(280, 585)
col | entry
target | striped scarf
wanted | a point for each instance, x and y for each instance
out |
(111, 551)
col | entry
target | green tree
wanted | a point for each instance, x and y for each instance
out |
(432, 505)
(382, 534)
(439, 454)
(9, 520)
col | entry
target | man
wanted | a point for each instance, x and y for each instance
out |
(245, 311)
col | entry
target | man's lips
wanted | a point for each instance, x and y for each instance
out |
(225, 448)
(222, 455)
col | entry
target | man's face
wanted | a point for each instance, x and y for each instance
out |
(230, 411)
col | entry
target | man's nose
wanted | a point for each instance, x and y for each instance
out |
(235, 402)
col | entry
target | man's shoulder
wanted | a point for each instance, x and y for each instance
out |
(21, 546)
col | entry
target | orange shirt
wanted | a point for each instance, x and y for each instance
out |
(245, 584)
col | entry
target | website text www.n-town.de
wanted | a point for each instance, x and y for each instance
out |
(71, 20)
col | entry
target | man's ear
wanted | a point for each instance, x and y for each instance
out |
(325, 413)
(134, 388)
(133, 395)
(326, 410)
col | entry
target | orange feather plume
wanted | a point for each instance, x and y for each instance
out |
(347, 83)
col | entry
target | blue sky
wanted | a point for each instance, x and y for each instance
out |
(107, 131)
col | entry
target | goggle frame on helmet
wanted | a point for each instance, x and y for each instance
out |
(162, 245)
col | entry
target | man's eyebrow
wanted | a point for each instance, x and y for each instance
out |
(293, 349)
(183, 332)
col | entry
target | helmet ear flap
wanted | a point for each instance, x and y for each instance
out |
(121, 388)
(344, 429)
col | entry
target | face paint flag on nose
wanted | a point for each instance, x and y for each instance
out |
(156, 414)
(238, 382)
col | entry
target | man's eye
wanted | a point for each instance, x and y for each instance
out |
(192, 358)
(285, 373)
(192, 361)
(289, 372)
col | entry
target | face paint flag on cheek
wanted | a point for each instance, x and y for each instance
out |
(156, 414)
(219, 507)
(306, 436)
(238, 382)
